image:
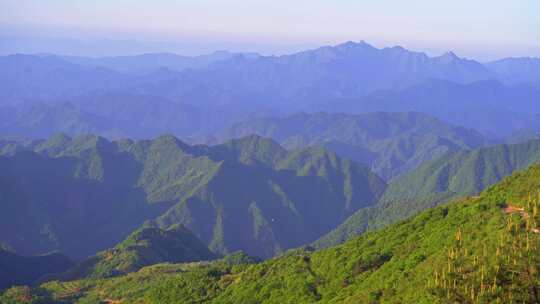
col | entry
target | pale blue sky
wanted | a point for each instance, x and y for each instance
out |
(475, 28)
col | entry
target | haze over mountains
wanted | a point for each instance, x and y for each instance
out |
(147, 63)
(516, 70)
(225, 88)
(492, 108)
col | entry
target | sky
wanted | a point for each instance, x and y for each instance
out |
(478, 29)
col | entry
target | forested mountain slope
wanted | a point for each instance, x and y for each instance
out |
(144, 247)
(248, 194)
(453, 175)
(475, 250)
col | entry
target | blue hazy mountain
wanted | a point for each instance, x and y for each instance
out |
(150, 62)
(189, 96)
(349, 69)
(517, 70)
(30, 77)
(346, 70)
(489, 106)
(117, 114)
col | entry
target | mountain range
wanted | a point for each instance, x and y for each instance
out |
(389, 143)
(247, 194)
(117, 115)
(494, 109)
(146, 63)
(516, 70)
(342, 174)
(194, 96)
(479, 250)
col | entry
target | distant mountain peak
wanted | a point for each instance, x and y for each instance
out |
(449, 57)
(257, 142)
(170, 139)
(221, 52)
(355, 45)
(401, 51)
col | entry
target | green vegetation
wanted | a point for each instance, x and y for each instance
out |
(475, 250)
(450, 176)
(248, 194)
(463, 173)
(144, 247)
(390, 143)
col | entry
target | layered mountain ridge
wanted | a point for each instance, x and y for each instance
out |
(475, 249)
(390, 144)
(51, 94)
(247, 194)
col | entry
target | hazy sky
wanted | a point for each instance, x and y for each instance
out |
(480, 29)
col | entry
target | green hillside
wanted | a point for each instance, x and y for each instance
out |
(144, 247)
(248, 194)
(450, 176)
(464, 172)
(390, 143)
(25, 270)
(475, 250)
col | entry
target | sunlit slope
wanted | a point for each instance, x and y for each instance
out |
(451, 176)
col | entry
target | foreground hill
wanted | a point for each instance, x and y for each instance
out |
(389, 143)
(450, 176)
(144, 247)
(248, 194)
(25, 270)
(474, 250)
